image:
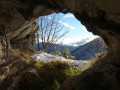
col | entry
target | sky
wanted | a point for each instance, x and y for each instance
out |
(77, 32)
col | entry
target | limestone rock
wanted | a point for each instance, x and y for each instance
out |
(101, 17)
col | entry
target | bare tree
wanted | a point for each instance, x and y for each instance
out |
(50, 31)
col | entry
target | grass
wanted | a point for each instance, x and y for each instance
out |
(17, 53)
(93, 61)
(50, 76)
(14, 53)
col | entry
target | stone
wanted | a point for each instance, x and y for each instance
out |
(101, 17)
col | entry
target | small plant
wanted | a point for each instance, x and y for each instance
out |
(14, 53)
(92, 61)
(52, 53)
(56, 52)
(67, 54)
(33, 62)
(56, 85)
(25, 55)
(18, 53)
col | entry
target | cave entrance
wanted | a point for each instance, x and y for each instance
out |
(83, 45)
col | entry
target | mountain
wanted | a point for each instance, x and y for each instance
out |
(56, 47)
(81, 52)
(88, 50)
(61, 47)
(81, 42)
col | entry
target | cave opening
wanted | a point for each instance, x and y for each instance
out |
(99, 17)
(81, 43)
(83, 46)
(52, 64)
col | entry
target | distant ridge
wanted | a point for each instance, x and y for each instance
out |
(88, 50)
(56, 47)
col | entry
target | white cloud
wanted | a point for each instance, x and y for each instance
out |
(72, 27)
(63, 23)
(77, 41)
(66, 16)
(66, 24)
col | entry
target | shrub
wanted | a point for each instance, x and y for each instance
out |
(56, 52)
(67, 54)
(50, 76)
(33, 62)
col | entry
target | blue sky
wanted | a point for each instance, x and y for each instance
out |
(77, 32)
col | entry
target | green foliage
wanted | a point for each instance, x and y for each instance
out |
(56, 85)
(56, 52)
(67, 54)
(52, 53)
(33, 62)
(25, 55)
(14, 53)
(17, 53)
(50, 76)
(92, 61)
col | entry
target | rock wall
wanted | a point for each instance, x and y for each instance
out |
(100, 17)
(24, 37)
